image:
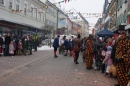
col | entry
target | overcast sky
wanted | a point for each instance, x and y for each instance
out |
(84, 6)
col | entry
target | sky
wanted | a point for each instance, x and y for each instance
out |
(84, 6)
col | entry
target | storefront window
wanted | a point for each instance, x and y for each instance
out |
(10, 3)
(25, 8)
(17, 4)
(1, 1)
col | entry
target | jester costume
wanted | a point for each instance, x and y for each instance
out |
(128, 56)
(122, 61)
(89, 51)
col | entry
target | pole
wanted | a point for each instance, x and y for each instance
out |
(50, 35)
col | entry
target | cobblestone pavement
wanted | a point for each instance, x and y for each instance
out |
(59, 71)
(8, 63)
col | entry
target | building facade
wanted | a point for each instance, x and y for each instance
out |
(84, 25)
(22, 17)
(84, 28)
(98, 26)
(51, 18)
(121, 15)
(112, 14)
(127, 28)
(62, 23)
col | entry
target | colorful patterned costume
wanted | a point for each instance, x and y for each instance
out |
(89, 51)
(128, 55)
(122, 61)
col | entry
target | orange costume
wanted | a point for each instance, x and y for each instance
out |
(122, 61)
(89, 51)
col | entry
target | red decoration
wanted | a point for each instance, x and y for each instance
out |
(128, 19)
(65, 1)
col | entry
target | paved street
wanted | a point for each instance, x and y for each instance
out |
(49, 71)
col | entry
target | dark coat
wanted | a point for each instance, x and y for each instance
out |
(113, 52)
(56, 43)
(7, 40)
(1, 41)
(67, 44)
(77, 44)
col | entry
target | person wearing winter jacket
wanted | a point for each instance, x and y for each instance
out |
(11, 48)
(67, 46)
(20, 47)
(1, 43)
(25, 46)
(56, 45)
(108, 60)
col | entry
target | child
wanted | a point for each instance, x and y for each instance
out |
(11, 48)
(20, 48)
(108, 60)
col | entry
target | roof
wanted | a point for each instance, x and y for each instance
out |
(83, 18)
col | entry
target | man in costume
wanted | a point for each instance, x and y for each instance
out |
(121, 60)
(67, 46)
(76, 49)
(56, 45)
(89, 52)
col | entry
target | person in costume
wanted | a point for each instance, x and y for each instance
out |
(89, 52)
(56, 45)
(76, 49)
(121, 60)
(67, 46)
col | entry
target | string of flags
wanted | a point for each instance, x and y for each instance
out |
(88, 15)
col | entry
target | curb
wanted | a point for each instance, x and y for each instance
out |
(22, 65)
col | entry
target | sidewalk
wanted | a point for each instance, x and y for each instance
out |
(9, 64)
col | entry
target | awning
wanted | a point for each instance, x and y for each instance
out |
(127, 27)
(19, 23)
(104, 33)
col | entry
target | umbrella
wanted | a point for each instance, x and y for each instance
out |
(104, 33)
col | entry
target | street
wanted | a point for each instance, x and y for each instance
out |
(50, 71)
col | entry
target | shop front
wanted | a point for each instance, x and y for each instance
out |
(118, 29)
(127, 28)
(18, 29)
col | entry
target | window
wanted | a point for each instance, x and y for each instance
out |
(1, 1)
(47, 10)
(31, 11)
(17, 4)
(47, 22)
(43, 17)
(10, 3)
(125, 16)
(40, 14)
(25, 8)
(36, 13)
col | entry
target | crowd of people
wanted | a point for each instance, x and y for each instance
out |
(111, 55)
(13, 45)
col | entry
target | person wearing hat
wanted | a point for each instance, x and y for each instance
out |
(56, 45)
(121, 59)
(89, 52)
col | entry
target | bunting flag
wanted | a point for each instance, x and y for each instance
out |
(65, 1)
